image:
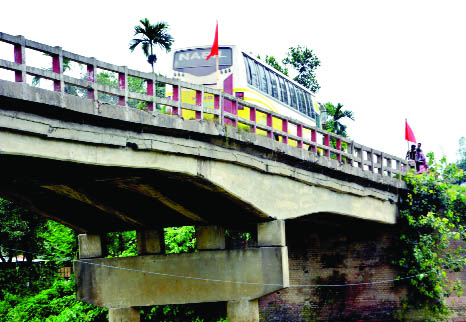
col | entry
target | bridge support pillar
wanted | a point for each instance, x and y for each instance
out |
(90, 246)
(210, 237)
(243, 311)
(271, 233)
(150, 242)
(124, 315)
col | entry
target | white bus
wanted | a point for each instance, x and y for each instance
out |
(246, 77)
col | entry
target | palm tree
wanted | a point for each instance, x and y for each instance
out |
(337, 114)
(150, 36)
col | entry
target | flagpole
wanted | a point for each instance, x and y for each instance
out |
(216, 64)
(216, 61)
(406, 121)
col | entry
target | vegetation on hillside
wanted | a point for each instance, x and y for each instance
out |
(34, 291)
(432, 236)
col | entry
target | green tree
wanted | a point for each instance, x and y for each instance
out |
(432, 236)
(305, 62)
(462, 154)
(271, 61)
(337, 114)
(19, 229)
(151, 35)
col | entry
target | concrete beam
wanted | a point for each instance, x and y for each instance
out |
(90, 246)
(150, 242)
(124, 315)
(271, 233)
(213, 276)
(243, 311)
(210, 237)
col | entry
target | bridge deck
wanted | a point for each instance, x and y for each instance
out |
(102, 167)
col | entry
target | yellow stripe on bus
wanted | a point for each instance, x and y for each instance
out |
(269, 104)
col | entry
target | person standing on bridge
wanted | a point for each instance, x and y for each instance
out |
(421, 163)
(411, 154)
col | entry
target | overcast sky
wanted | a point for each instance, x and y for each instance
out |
(386, 61)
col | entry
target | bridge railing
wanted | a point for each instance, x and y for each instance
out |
(223, 110)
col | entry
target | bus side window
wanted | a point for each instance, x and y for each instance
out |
(254, 76)
(269, 82)
(274, 81)
(283, 90)
(307, 104)
(248, 70)
(262, 78)
(293, 95)
(302, 107)
(311, 106)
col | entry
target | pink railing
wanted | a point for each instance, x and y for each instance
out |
(319, 142)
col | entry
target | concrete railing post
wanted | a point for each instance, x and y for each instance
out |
(123, 85)
(243, 311)
(327, 144)
(199, 102)
(252, 117)
(124, 315)
(20, 58)
(285, 129)
(57, 67)
(299, 133)
(338, 147)
(270, 125)
(314, 140)
(210, 237)
(150, 92)
(91, 77)
(222, 109)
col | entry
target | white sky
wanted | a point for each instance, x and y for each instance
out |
(384, 60)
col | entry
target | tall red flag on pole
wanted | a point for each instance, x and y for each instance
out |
(214, 49)
(409, 135)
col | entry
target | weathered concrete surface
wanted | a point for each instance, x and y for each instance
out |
(90, 246)
(124, 315)
(210, 237)
(271, 233)
(243, 311)
(121, 288)
(186, 170)
(150, 241)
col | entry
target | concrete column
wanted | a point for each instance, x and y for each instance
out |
(271, 233)
(124, 315)
(243, 311)
(150, 242)
(210, 237)
(90, 246)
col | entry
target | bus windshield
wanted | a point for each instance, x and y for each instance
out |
(193, 61)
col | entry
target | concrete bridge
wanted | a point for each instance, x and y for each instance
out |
(99, 168)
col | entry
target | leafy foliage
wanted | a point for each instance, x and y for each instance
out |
(432, 236)
(151, 35)
(122, 244)
(19, 229)
(180, 239)
(305, 62)
(271, 61)
(55, 304)
(337, 114)
(462, 154)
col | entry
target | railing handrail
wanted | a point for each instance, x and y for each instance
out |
(354, 154)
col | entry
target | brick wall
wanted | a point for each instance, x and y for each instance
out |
(333, 250)
(339, 253)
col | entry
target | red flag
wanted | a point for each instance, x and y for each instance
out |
(409, 135)
(214, 50)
